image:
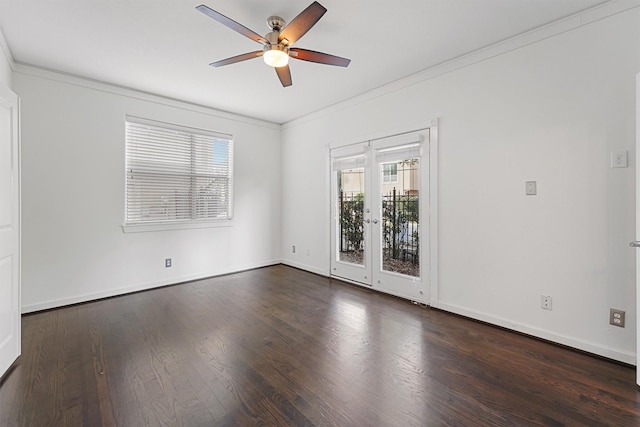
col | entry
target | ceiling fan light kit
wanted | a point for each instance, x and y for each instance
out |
(277, 43)
(276, 55)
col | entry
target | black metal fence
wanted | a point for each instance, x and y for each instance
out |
(400, 225)
(351, 221)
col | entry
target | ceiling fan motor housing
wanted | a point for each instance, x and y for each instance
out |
(272, 37)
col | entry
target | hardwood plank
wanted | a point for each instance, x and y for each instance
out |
(278, 346)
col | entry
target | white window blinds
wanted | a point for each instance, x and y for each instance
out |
(176, 174)
(398, 154)
(344, 163)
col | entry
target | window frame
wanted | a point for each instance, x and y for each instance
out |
(192, 221)
(393, 178)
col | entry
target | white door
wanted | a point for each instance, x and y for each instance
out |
(9, 230)
(637, 242)
(380, 234)
(351, 213)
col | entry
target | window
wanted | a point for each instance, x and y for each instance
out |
(176, 174)
(390, 172)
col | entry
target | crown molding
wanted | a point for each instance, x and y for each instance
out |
(75, 80)
(544, 32)
(7, 52)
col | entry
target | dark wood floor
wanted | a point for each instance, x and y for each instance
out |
(279, 346)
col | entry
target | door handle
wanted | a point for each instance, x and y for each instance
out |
(635, 244)
(367, 220)
(375, 221)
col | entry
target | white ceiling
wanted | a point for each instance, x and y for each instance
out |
(164, 46)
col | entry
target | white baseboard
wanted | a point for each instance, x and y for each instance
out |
(611, 353)
(46, 305)
(306, 267)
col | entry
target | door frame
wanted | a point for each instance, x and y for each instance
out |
(11, 346)
(637, 237)
(432, 203)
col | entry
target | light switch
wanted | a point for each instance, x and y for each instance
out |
(530, 188)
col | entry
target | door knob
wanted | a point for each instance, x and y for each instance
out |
(635, 244)
(375, 221)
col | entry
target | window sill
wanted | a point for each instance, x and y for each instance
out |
(141, 228)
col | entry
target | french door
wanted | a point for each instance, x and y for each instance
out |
(379, 214)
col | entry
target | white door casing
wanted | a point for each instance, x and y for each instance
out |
(9, 230)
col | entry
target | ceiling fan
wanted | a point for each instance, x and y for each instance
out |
(277, 44)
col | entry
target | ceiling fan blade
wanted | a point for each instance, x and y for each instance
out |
(302, 23)
(319, 57)
(284, 74)
(232, 24)
(238, 58)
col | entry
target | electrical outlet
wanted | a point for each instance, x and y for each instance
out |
(293, 249)
(545, 302)
(619, 159)
(167, 262)
(531, 188)
(616, 317)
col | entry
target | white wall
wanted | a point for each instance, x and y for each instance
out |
(546, 107)
(73, 201)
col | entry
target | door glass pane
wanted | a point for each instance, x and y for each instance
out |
(400, 217)
(351, 215)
